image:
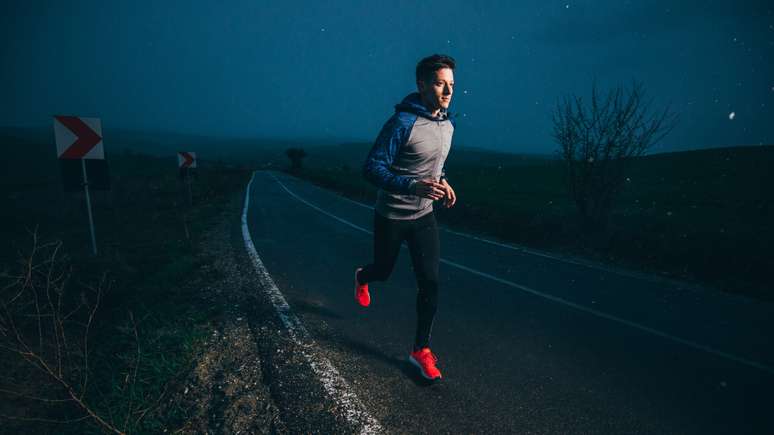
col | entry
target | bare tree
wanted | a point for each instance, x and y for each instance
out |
(296, 156)
(597, 142)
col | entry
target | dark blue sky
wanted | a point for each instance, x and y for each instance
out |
(335, 69)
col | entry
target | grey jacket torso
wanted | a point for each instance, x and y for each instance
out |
(422, 156)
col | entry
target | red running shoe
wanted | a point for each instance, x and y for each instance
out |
(361, 291)
(425, 361)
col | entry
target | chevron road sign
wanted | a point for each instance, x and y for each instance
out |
(186, 159)
(78, 138)
(186, 162)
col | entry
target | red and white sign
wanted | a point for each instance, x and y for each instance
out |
(186, 159)
(78, 138)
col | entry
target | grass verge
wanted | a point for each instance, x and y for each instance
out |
(150, 320)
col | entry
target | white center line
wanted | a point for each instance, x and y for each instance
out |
(526, 250)
(559, 300)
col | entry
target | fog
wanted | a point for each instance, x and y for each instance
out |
(333, 71)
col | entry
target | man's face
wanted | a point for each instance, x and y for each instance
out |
(437, 92)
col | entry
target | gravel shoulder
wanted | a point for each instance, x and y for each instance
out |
(249, 376)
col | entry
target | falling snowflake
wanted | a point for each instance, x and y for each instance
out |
(567, 6)
(322, 29)
(591, 159)
(628, 179)
(732, 115)
(669, 213)
(465, 91)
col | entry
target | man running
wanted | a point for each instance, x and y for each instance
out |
(406, 163)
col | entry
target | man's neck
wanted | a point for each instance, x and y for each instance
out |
(435, 112)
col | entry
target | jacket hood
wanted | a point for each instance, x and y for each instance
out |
(413, 103)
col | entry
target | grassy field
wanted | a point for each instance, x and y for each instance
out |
(702, 216)
(150, 321)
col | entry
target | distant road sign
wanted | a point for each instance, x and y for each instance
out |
(186, 159)
(78, 138)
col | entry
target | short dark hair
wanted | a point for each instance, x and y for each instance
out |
(427, 67)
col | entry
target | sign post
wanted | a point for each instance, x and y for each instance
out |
(80, 139)
(186, 161)
(88, 207)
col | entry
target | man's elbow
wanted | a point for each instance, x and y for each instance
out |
(372, 174)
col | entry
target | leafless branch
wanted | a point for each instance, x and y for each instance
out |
(43, 420)
(38, 312)
(596, 142)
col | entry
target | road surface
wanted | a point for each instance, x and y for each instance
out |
(527, 342)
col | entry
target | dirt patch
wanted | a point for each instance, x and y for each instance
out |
(226, 391)
(250, 376)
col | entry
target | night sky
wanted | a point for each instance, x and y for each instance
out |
(334, 70)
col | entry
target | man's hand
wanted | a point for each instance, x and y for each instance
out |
(427, 188)
(450, 197)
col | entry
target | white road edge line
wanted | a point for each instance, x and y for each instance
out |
(562, 301)
(333, 383)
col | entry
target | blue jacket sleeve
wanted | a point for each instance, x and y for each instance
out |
(376, 168)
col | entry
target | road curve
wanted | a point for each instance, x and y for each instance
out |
(528, 342)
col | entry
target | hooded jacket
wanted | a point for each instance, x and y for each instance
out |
(412, 145)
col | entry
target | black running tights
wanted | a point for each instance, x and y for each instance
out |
(421, 234)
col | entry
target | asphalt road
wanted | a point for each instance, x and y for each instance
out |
(527, 342)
